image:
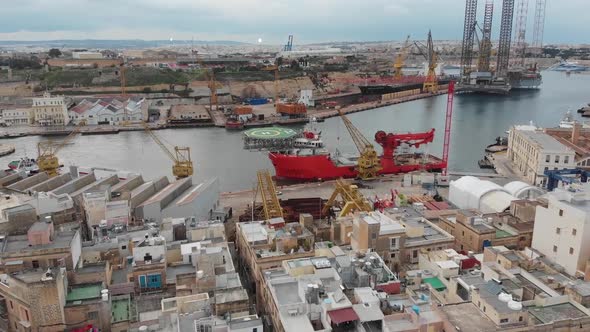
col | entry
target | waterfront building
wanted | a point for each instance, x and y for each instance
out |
(17, 116)
(533, 152)
(112, 111)
(50, 110)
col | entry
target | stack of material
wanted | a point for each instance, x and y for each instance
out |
(420, 199)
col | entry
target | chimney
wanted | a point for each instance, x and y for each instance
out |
(576, 132)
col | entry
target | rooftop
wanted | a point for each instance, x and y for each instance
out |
(544, 141)
(120, 310)
(84, 292)
(467, 317)
(20, 243)
(555, 313)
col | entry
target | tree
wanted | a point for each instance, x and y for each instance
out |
(54, 53)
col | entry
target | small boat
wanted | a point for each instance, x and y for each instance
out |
(26, 164)
(584, 109)
(568, 67)
(233, 123)
(568, 121)
(486, 163)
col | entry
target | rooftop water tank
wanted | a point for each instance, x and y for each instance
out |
(515, 305)
(504, 297)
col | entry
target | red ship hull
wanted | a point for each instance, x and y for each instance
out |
(321, 167)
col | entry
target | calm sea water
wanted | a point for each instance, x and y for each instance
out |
(477, 121)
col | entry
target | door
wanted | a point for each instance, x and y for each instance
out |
(142, 281)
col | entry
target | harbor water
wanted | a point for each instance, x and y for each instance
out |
(477, 121)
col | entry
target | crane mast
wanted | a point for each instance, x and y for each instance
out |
(399, 61)
(431, 82)
(368, 163)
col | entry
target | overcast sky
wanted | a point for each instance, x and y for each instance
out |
(272, 20)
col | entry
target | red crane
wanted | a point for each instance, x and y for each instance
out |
(390, 142)
(447, 141)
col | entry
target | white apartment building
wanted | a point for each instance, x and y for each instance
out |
(532, 152)
(50, 110)
(562, 230)
(86, 55)
(17, 117)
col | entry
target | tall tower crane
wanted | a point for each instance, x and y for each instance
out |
(47, 160)
(183, 165)
(368, 163)
(401, 57)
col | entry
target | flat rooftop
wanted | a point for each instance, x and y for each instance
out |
(84, 292)
(555, 313)
(20, 243)
(468, 317)
(120, 309)
(543, 140)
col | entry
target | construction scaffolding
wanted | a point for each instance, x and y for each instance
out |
(505, 38)
(468, 36)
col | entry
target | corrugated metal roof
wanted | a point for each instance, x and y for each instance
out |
(343, 316)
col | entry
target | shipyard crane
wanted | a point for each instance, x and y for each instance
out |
(268, 193)
(352, 199)
(431, 81)
(47, 160)
(183, 165)
(368, 162)
(275, 69)
(211, 84)
(399, 61)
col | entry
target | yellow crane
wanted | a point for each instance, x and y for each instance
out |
(352, 199)
(401, 57)
(183, 165)
(275, 68)
(431, 82)
(268, 193)
(369, 163)
(47, 160)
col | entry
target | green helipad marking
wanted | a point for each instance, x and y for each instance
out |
(270, 133)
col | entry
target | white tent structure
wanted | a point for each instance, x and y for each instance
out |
(523, 190)
(470, 192)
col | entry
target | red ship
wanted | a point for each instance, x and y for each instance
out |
(315, 164)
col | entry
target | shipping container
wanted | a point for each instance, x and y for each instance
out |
(256, 101)
(292, 109)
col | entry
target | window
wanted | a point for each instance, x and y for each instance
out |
(547, 158)
(254, 329)
(566, 159)
(463, 233)
(554, 248)
(92, 315)
(35, 264)
(11, 305)
(393, 243)
(484, 308)
(557, 230)
(546, 169)
(503, 320)
(479, 304)
(571, 251)
(374, 236)
(574, 232)
(561, 215)
(415, 253)
(520, 318)
(123, 247)
(557, 159)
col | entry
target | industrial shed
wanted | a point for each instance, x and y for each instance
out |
(470, 192)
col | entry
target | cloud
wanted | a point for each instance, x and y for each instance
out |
(308, 20)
